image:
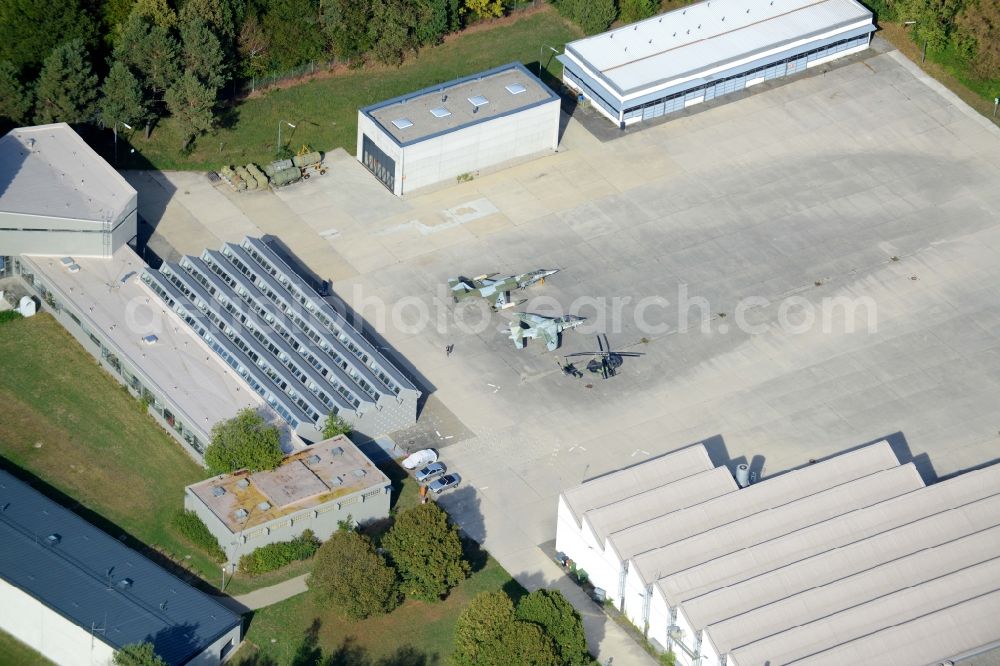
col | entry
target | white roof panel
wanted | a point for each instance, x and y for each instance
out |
(693, 38)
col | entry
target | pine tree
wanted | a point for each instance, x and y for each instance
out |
(30, 30)
(15, 99)
(122, 98)
(203, 54)
(67, 87)
(151, 51)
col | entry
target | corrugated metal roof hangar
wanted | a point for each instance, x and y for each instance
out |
(713, 48)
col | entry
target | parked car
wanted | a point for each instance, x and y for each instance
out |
(429, 472)
(421, 458)
(446, 482)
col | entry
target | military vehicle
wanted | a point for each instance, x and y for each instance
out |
(529, 326)
(496, 287)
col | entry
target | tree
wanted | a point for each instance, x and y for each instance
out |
(159, 13)
(252, 45)
(489, 634)
(392, 30)
(351, 575)
(345, 23)
(595, 15)
(432, 21)
(484, 8)
(15, 99)
(219, 15)
(427, 551)
(152, 52)
(245, 441)
(192, 104)
(293, 25)
(122, 99)
(630, 11)
(978, 27)
(138, 654)
(335, 425)
(934, 19)
(67, 87)
(30, 30)
(203, 54)
(560, 621)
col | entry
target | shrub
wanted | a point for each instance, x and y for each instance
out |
(560, 621)
(489, 634)
(276, 555)
(9, 315)
(137, 654)
(190, 526)
(630, 11)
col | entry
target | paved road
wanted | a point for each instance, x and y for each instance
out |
(864, 183)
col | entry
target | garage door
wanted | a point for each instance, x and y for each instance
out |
(380, 164)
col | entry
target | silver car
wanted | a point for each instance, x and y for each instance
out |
(446, 482)
(429, 472)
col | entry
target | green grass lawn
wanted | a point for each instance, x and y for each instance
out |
(15, 653)
(325, 110)
(415, 633)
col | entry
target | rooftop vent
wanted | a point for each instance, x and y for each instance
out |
(360, 473)
(440, 112)
(478, 100)
(73, 268)
(67, 261)
(313, 459)
(337, 451)
(241, 514)
(53, 539)
(150, 339)
(243, 484)
(264, 506)
(124, 583)
(515, 88)
(337, 481)
(218, 491)
(402, 123)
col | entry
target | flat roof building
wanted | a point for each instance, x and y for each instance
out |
(76, 594)
(840, 561)
(58, 197)
(316, 489)
(284, 341)
(140, 342)
(702, 51)
(458, 128)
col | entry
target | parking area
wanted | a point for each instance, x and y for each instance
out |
(860, 189)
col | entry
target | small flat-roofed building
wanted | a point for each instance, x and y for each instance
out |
(76, 594)
(706, 50)
(316, 489)
(460, 127)
(284, 341)
(140, 342)
(58, 197)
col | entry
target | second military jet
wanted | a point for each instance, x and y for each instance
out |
(496, 287)
(550, 329)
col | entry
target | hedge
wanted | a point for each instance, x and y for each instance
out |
(276, 555)
(189, 524)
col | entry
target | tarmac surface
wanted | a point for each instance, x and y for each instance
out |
(834, 244)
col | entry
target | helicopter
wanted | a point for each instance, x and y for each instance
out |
(604, 361)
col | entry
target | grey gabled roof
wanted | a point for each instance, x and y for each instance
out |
(81, 577)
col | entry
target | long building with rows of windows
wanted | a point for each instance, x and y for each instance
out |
(288, 344)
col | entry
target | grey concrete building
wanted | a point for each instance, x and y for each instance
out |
(60, 198)
(713, 48)
(304, 359)
(76, 594)
(458, 128)
(142, 344)
(316, 489)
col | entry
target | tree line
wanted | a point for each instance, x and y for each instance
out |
(133, 62)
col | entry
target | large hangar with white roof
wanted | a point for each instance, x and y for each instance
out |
(706, 50)
(456, 128)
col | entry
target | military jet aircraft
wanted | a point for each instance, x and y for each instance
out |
(550, 329)
(494, 286)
